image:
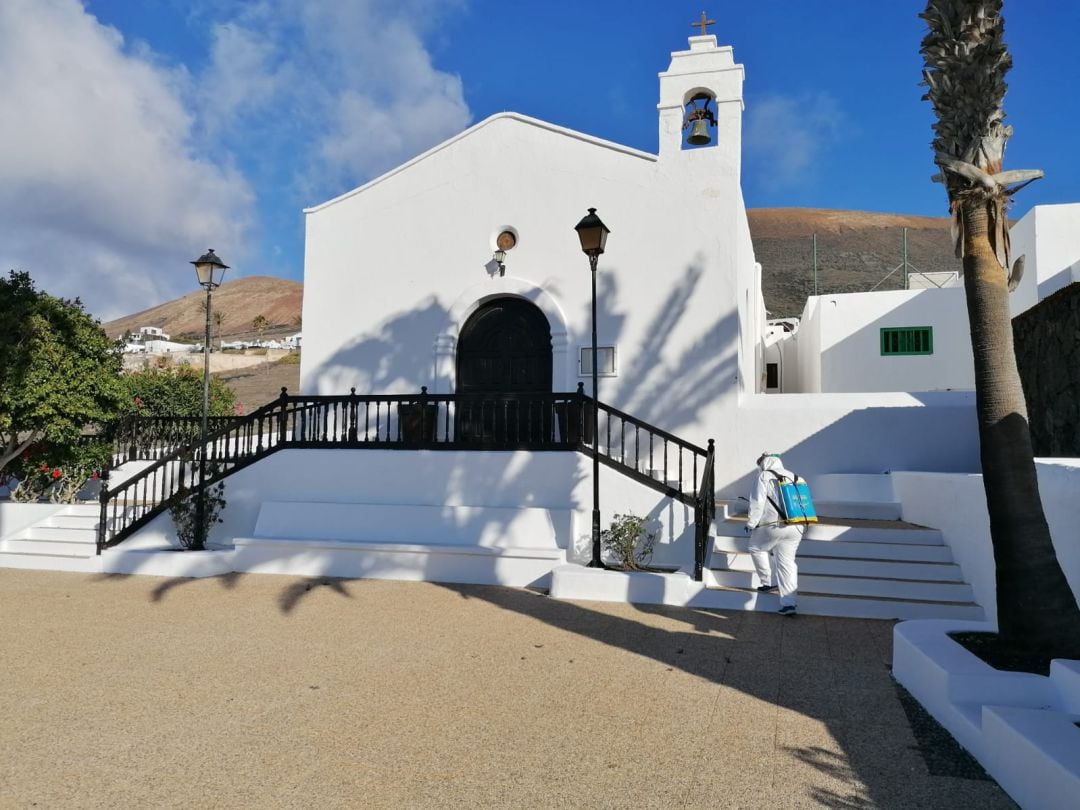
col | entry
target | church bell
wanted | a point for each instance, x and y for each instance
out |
(699, 133)
(698, 120)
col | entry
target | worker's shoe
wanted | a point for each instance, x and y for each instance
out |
(787, 610)
(766, 588)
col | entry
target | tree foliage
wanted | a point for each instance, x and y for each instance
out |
(175, 392)
(59, 371)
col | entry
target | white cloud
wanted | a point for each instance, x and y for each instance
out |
(351, 86)
(102, 192)
(786, 136)
(118, 168)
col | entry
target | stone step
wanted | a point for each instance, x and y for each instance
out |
(843, 549)
(57, 533)
(828, 566)
(76, 521)
(46, 562)
(814, 604)
(84, 545)
(854, 531)
(863, 510)
(858, 586)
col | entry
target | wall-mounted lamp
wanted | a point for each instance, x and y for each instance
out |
(500, 259)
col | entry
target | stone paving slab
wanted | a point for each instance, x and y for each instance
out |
(264, 691)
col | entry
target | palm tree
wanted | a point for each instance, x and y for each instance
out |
(219, 319)
(965, 65)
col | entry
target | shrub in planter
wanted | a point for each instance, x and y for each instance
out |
(630, 539)
(185, 515)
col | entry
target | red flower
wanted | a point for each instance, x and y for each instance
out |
(138, 402)
(56, 473)
(94, 477)
(44, 467)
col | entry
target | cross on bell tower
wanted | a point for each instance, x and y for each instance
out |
(703, 23)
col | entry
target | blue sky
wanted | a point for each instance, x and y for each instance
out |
(147, 130)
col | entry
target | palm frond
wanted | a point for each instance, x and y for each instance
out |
(965, 65)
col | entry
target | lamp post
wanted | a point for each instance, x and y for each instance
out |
(593, 235)
(210, 270)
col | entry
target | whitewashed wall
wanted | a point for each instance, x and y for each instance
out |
(819, 434)
(1048, 236)
(841, 336)
(555, 480)
(956, 504)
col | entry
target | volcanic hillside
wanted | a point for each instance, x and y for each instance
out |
(239, 302)
(855, 251)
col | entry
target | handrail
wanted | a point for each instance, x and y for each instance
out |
(528, 421)
(148, 438)
(704, 511)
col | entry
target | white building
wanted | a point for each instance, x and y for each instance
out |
(917, 339)
(399, 273)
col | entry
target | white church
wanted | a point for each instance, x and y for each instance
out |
(444, 427)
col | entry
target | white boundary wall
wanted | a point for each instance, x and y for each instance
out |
(1048, 236)
(956, 504)
(557, 480)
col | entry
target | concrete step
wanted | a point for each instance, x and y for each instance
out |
(854, 531)
(74, 546)
(77, 521)
(57, 533)
(864, 487)
(858, 586)
(842, 549)
(45, 562)
(815, 604)
(863, 510)
(839, 566)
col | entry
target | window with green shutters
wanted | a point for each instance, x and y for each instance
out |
(908, 340)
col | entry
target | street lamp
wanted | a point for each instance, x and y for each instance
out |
(210, 270)
(593, 235)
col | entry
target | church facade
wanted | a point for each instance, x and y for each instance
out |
(413, 278)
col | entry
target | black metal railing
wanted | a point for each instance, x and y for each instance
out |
(536, 422)
(704, 510)
(148, 438)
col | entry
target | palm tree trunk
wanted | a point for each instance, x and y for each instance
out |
(1036, 606)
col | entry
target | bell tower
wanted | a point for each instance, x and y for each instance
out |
(701, 106)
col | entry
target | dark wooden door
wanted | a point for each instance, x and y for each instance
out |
(503, 355)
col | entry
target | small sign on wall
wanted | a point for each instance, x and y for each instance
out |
(605, 368)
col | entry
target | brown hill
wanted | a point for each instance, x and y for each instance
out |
(856, 250)
(239, 302)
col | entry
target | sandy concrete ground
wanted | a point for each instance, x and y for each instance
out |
(262, 691)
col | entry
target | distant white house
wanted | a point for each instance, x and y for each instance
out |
(293, 341)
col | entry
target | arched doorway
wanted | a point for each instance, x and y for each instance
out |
(503, 354)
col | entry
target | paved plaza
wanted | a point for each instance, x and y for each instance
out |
(264, 691)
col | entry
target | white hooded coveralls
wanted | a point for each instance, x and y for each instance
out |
(771, 535)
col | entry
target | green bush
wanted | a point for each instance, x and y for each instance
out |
(630, 539)
(175, 392)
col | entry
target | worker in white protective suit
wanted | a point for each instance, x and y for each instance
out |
(770, 535)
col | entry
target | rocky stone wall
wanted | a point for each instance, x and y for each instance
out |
(1047, 338)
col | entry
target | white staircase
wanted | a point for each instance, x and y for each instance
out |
(64, 541)
(866, 564)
